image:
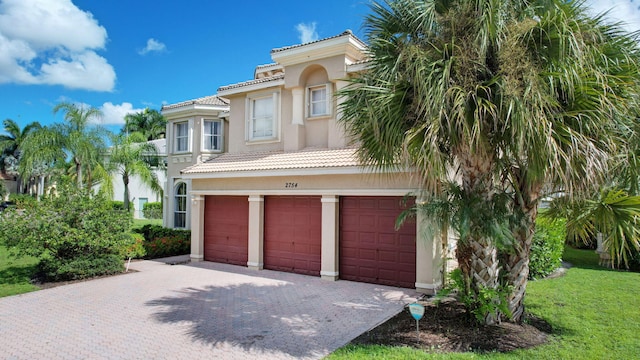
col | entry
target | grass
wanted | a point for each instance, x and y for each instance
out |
(16, 273)
(593, 312)
(138, 223)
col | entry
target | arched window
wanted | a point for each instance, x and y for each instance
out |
(180, 212)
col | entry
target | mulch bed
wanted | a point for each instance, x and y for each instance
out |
(446, 327)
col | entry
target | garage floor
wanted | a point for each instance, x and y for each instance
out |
(194, 311)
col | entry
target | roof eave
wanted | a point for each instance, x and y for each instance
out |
(344, 170)
(251, 87)
(194, 108)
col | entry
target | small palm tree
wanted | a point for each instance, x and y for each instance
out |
(130, 156)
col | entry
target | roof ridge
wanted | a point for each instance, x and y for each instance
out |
(347, 32)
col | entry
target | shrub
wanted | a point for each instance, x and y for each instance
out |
(163, 242)
(135, 250)
(71, 233)
(547, 246)
(23, 201)
(80, 267)
(152, 210)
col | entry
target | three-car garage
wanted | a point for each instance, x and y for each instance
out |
(369, 246)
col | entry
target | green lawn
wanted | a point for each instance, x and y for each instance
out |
(16, 273)
(138, 223)
(594, 313)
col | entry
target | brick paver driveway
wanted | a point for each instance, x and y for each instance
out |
(193, 311)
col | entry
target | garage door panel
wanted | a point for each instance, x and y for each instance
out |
(226, 229)
(371, 250)
(292, 237)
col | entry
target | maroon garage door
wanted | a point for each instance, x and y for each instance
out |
(371, 250)
(292, 234)
(226, 229)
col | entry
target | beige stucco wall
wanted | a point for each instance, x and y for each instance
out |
(361, 184)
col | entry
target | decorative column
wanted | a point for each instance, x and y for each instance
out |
(256, 232)
(197, 228)
(330, 221)
(428, 257)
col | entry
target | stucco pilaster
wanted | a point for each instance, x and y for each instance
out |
(336, 138)
(428, 257)
(330, 222)
(197, 228)
(294, 137)
(256, 232)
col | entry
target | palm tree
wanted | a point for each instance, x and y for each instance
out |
(11, 143)
(149, 122)
(76, 139)
(130, 156)
(611, 212)
(502, 97)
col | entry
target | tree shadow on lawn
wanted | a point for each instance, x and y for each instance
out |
(17, 274)
(274, 316)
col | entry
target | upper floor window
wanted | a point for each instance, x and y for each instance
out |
(262, 117)
(212, 135)
(318, 100)
(181, 134)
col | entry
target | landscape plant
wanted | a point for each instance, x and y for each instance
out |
(152, 210)
(547, 246)
(162, 242)
(73, 234)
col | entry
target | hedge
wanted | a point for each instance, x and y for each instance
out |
(152, 210)
(162, 242)
(547, 246)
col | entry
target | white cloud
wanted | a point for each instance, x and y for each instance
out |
(113, 114)
(153, 45)
(52, 42)
(307, 32)
(625, 11)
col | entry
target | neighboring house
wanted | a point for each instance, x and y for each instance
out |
(264, 177)
(10, 183)
(139, 193)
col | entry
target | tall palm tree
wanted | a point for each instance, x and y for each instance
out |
(150, 123)
(502, 97)
(11, 143)
(129, 156)
(77, 139)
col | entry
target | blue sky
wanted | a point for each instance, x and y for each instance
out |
(122, 56)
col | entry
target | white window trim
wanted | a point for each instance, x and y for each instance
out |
(174, 139)
(175, 205)
(203, 142)
(329, 101)
(275, 95)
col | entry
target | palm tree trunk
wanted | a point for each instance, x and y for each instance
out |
(516, 262)
(485, 271)
(125, 180)
(79, 173)
(480, 252)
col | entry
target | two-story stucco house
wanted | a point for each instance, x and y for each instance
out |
(264, 176)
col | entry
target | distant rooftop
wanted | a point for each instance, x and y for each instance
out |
(214, 100)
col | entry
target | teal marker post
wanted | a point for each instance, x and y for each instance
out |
(417, 311)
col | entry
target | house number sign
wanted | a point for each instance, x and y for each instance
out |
(290, 185)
